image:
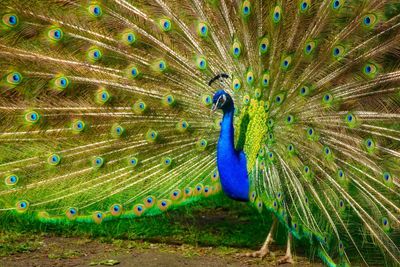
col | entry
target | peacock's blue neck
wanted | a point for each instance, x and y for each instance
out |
(231, 163)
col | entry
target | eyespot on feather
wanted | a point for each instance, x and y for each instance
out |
(236, 84)
(149, 201)
(165, 24)
(133, 72)
(129, 38)
(250, 77)
(207, 191)
(369, 21)
(336, 5)
(176, 194)
(11, 180)
(116, 209)
(182, 126)
(139, 209)
(236, 49)
(276, 14)
(14, 78)
(22, 206)
(202, 144)
(54, 159)
(188, 192)
(10, 20)
(94, 54)
(202, 29)
(97, 162)
(60, 83)
(286, 62)
(102, 96)
(55, 34)
(117, 130)
(151, 135)
(304, 5)
(169, 100)
(32, 117)
(133, 161)
(338, 52)
(246, 9)
(98, 217)
(166, 162)
(71, 213)
(95, 10)
(163, 204)
(201, 63)
(78, 126)
(265, 79)
(207, 100)
(139, 107)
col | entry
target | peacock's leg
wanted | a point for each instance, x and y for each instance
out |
(288, 256)
(265, 248)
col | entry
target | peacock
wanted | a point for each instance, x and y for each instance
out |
(116, 109)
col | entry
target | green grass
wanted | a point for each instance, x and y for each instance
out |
(217, 222)
(13, 242)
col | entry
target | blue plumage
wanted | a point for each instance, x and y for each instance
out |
(231, 162)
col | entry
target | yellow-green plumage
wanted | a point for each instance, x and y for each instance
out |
(105, 112)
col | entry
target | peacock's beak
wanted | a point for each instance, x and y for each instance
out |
(214, 107)
(220, 102)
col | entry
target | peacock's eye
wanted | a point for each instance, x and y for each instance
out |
(264, 45)
(236, 49)
(285, 63)
(129, 38)
(134, 72)
(14, 78)
(165, 24)
(94, 54)
(10, 20)
(201, 63)
(161, 66)
(95, 10)
(335, 4)
(133, 161)
(350, 117)
(202, 29)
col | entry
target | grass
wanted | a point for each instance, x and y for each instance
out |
(12, 242)
(217, 222)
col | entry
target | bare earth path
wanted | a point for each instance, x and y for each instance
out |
(47, 250)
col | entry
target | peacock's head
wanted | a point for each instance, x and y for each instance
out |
(222, 100)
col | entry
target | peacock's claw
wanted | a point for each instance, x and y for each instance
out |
(264, 250)
(288, 256)
(285, 259)
(262, 253)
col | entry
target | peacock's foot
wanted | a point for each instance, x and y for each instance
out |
(285, 259)
(262, 253)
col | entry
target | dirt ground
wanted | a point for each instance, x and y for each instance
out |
(54, 251)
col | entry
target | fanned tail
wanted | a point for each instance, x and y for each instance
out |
(88, 130)
(329, 163)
